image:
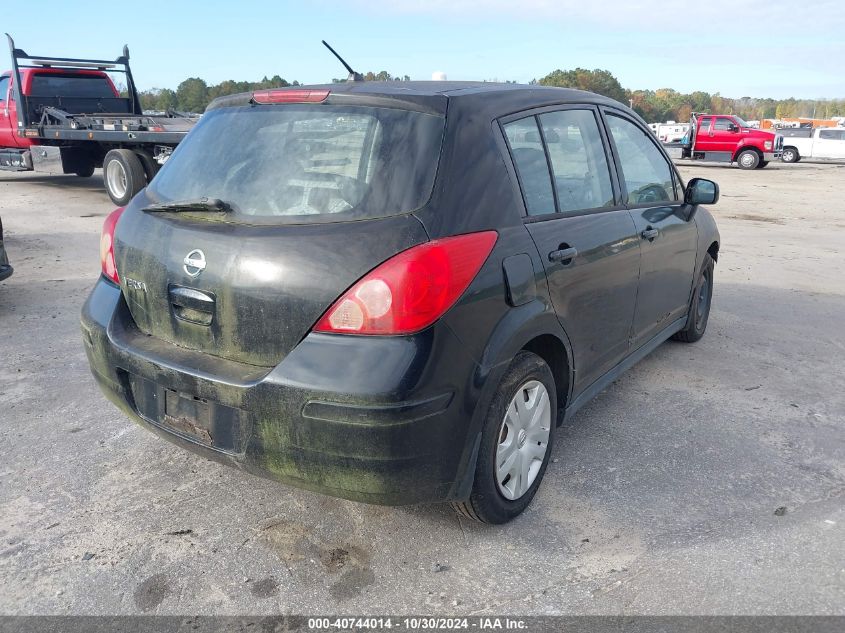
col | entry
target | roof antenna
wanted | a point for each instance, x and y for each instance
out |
(353, 76)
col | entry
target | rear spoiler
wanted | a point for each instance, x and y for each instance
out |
(121, 65)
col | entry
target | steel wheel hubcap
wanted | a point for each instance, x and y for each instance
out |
(116, 177)
(747, 159)
(523, 439)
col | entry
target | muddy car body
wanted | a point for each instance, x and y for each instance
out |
(231, 329)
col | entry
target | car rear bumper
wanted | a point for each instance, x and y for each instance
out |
(373, 419)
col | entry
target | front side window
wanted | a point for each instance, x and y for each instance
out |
(723, 124)
(647, 174)
(579, 163)
(529, 158)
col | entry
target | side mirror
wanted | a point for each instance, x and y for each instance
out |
(734, 128)
(701, 191)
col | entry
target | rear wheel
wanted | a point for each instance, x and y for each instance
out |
(790, 155)
(86, 172)
(748, 159)
(516, 442)
(699, 309)
(123, 174)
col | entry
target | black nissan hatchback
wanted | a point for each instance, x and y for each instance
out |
(393, 292)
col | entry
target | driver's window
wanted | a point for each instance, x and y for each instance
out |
(723, 124)
(647, 174)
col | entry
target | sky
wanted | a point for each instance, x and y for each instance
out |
(738, 48)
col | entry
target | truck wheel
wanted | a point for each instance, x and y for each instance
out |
(86, 172)
(790, 155)
(123, 175)
(516, 442)
(748, 159)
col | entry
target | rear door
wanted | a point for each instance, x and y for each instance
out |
(8, 122)
(724, 135)
(829, 144)
(586, 238)
(668, 238)
(703, 139)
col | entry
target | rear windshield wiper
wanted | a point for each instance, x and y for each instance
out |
(198, 204)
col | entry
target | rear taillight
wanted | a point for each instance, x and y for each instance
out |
(289, 96)
(107, 245)
(411, 290)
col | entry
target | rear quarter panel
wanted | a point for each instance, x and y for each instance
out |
(476, 191)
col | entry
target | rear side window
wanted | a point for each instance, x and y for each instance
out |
(307, 163)
(529, 158)
(4, 88)
(579, 164)
(56, 85)
(705, 124)
(832, 135)
(647, 174)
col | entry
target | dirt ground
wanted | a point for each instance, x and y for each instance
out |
(708, 479)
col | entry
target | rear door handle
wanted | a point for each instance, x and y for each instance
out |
(649, 234)
(564, 255)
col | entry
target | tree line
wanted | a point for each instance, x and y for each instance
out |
(665, 104)
(194, 94)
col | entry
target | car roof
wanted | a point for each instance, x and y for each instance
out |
(495, 99)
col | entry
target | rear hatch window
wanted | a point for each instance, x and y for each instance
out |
(306, 163)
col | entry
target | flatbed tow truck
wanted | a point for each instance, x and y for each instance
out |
(64, 115)
(726, 138)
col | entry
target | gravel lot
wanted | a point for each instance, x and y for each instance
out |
(709, 479)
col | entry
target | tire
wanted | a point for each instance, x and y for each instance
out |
(86, 172)
(123, 175)
(699, 308)
(790, 155)
(762, 164)
(748, 159)
(498, 500)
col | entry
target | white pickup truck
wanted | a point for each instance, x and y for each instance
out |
(820, 143)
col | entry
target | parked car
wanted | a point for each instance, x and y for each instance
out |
(670, 132)
(820, 143)
(6, 269)
(401, 308)
(728, 139)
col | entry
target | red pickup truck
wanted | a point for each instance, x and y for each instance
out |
(727, 138)
(92, 85)
(65, 116)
